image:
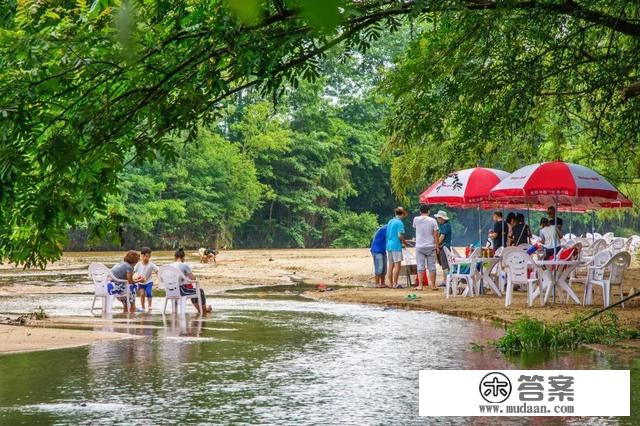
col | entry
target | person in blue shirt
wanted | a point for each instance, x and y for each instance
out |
(379, 253)
(395, 242)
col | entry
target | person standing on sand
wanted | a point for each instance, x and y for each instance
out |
(444, 231)
(553, 219)
(499, 232)
(395, 242)
(427, 248)
(511, 222)
(521, 232)
(379, 253)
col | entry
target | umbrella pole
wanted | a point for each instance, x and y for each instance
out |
(479, 228)
(593, 226)
(504, 237)
(555, 252)
(480, 246)
(570, 221)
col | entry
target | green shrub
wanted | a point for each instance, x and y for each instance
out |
(528, 334)
(39, 314)
(352, 230)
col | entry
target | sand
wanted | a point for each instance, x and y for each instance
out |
(26, 338)
(488, 307)
(349, 271)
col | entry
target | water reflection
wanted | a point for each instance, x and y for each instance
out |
(263, 362)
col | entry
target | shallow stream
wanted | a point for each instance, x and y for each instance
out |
(264, 357)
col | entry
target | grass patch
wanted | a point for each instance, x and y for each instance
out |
(39, 314)
(528, 334)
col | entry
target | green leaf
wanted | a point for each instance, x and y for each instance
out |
(248, 11)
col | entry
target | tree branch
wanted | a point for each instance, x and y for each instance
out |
(631, 91)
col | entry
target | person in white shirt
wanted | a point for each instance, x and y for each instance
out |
(143, 270)
(426, 246)
(550, 241)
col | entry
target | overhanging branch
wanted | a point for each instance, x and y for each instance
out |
(631, 91)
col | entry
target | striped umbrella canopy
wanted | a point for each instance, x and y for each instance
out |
(464, 188)
(558, 183)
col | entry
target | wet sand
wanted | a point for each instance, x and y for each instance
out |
(25, 338)
(349, 271)
(488, 307)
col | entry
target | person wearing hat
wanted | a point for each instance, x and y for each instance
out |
(444, 229)
(395, 242)
(426, 246)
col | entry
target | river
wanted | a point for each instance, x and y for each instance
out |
(280, 359)
(263, 357)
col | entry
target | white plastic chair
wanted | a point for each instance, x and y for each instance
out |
(569, 237)
(171, 278)
(632, 244)
(101, 276)
(617, 245)
(503, 269)
(599, 260)
(586, 242)
(455, 276)
(616, 266)
(597, 246)
(517, 263)
(608, 237)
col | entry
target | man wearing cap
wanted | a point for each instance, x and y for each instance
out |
(395, 242)
(426, 245)
(444, 229)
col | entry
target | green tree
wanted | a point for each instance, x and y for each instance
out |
(522, 82)
(84, 86)
(197, 200)
(351, 229)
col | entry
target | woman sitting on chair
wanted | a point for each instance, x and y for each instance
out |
(124, 271)
(188, 289)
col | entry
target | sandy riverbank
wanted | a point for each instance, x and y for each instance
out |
(487, 307)
(26, 338)
(238, 268)
(352, 267)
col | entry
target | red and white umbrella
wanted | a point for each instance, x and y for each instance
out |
(557, 183)
(465, 188)
(620, 202)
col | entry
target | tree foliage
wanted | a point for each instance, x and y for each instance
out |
(517, 84)
(316, 165)
(198, 199)
(351, 229)
(87, 86)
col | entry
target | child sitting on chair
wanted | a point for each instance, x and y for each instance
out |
(124, 271)
(143, 270)
(185, 289)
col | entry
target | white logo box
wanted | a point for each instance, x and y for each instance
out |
(458, 393)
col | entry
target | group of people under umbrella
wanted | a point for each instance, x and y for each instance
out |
(552, 186)
(565, 186)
